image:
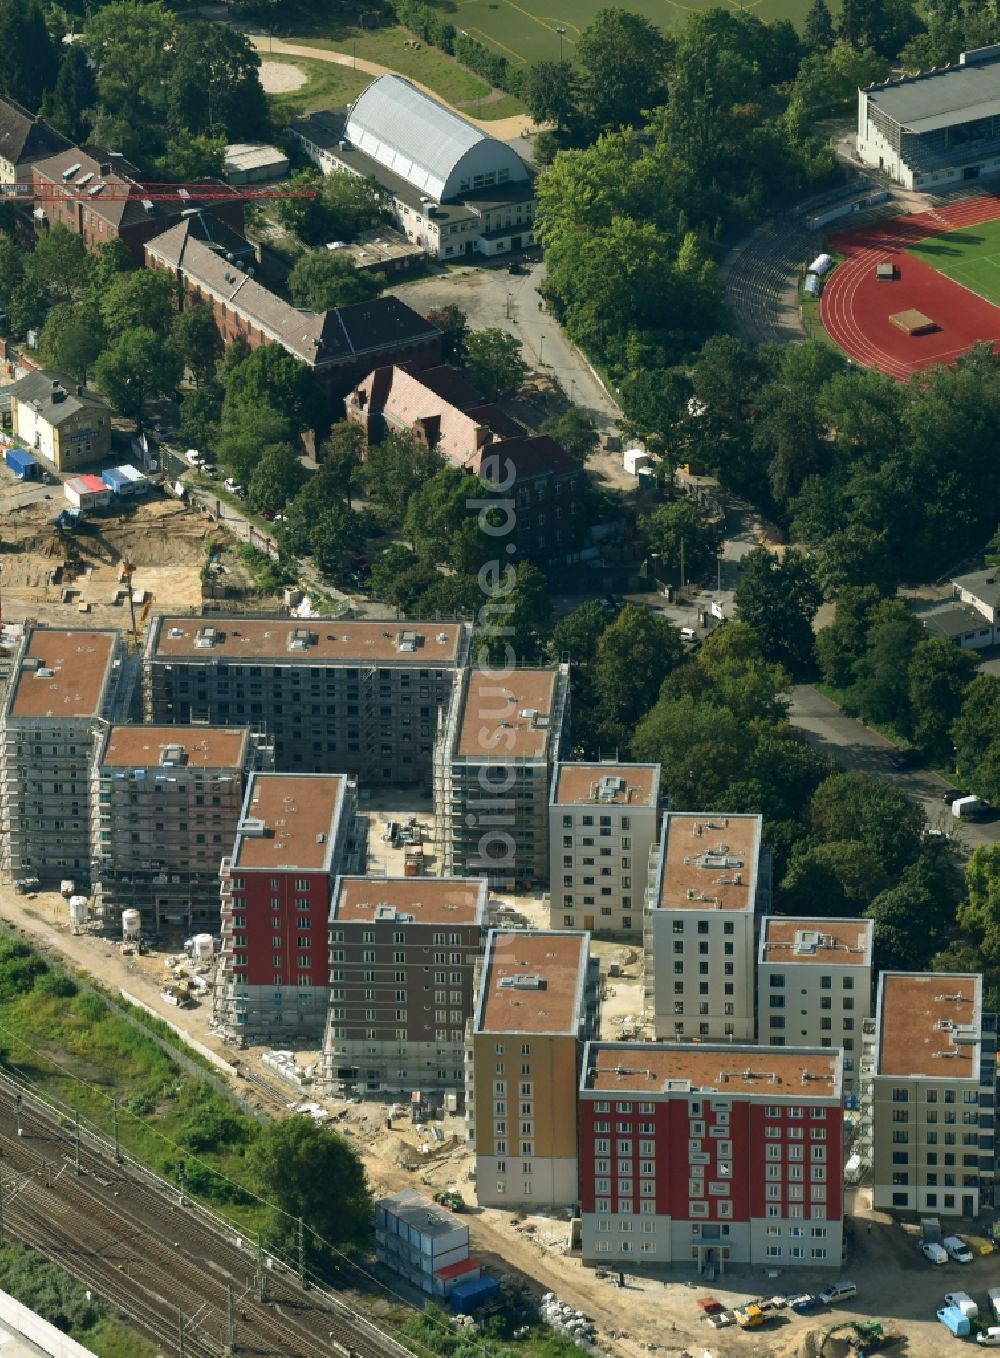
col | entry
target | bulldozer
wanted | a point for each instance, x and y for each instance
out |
(868, 1335)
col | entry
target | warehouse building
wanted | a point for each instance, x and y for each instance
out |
(166, 803)
(453, 189)
(937, 127)
(333, 695)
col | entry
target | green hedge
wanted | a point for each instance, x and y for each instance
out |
(428, 24)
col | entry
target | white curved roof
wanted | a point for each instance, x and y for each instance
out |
(423, 142)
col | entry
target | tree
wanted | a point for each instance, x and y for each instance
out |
(344, 206)
(290, 1157)
(635, 653)
(270, 376)
(684, 539)
(143, 298)
(855, 806)
(321, 280)
(71, 340)
(214, 83)
(977, 737)
(881, 675)
(779, 599)
(130, 42)
(437, 511)
(135, 368)
(394, 470)
(575, 636)
(28, 61)
(575, 431)
(388, 567)
(190, 156)
(741, 680)
(550, 91)
(979, 915)
(839, 878)
(818, 27)
(58, 263)
(623, 60)
(340, 456)
(521, 619)
(245, 433)
(702, 748)
(454, 326)
(68, 106)
(199, 417)
(910, 919)
(276, 479)
(493, 362)
(11, 268)
(938, 679)
(197, 339)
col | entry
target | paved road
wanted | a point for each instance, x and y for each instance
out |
(862, 750)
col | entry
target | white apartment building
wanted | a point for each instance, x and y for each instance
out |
(929, 1095)
(602, 828)
(814, 986)
(699, 928)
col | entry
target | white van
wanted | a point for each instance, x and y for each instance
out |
(838, 1292)
(994, 1298)
(957, 1249)
(962, 1302)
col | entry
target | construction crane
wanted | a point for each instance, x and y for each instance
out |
(86, 189)
(127, 570)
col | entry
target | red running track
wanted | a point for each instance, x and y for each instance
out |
(855, 309)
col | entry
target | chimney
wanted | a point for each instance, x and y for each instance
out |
(58, 392)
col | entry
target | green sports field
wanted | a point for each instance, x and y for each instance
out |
(970, 256)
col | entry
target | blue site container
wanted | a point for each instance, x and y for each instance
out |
(117, 481)
(22, 464)
(468, 1297)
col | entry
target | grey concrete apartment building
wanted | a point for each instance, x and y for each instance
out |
(355, 697)
(493, 762)
(166, 803)
(704, 899)
(603, 824)
(928, 1095)
(403, 956)
(65, 688)
(814, 986)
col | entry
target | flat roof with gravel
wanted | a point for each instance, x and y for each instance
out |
(830, 942)
(508, 716)
(63, 673)
(312, 639)
(290, 821)
(203, 747)
(533, 982)
(427, 900)
(928, 1024)
(709, 861)
(606, 785)
(667, 1067)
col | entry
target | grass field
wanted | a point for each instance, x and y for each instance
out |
(327, 86)
(970, 256)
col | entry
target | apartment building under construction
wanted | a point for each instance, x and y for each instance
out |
(65, 688)
(333, 696)
(493, 762)
(165, 807)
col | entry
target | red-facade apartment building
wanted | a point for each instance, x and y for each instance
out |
(296, 833)
(711, 1154)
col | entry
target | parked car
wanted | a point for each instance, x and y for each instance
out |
(957, 1249)
(952, 796)
(954, 1320)
(936, 1253)
(962, 1302)
(192, 456)
(804, 1303)
(990, 1336)
(839, 1291)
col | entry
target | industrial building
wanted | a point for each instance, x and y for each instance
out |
(603, 824)
(706, 891)
(711, 1155)
(537, 1005)
(403, 956)
(493, 762)
(355, 697)
(928, 1095)
(296, 833)
(814, 986)
(165, 807)
(936, 127)
(453, 190)
(65, 688)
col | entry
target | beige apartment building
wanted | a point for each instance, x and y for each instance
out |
(332, 695)
(705, 894)
(403, 957)
(603, 824)
(814, 986)
(65, 688)
(928, 1095)
(165, 806)
(60, 420)
(493, 762)
(536, 1006)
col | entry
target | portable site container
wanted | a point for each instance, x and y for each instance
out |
(22, 464)
(86, 492)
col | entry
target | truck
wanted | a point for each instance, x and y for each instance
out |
(750, 1317)
(964, 808)
(955, 1320)
(994, 1299)
(961, 1301)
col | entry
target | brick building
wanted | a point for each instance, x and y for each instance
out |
(65, 687)
(603, 822)
(296, 833)
(362, 697)
(403, 953)
(928, 1095)
(340, 346)
(711, 1155)
(96, 194)
(537, 1005)
(165, 806)
(25, 139)
(493, 762)
(706, 890)
(814, 986)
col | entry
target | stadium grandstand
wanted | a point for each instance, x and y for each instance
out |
(936, 128)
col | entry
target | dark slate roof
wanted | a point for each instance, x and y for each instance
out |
(41, 389)
(532, 455)
(983, 585)
(381, 323)
(24, 138)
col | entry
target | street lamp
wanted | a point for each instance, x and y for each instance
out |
(562, 34)
(541, 352)
(508, 305)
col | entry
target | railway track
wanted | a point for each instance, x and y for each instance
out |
(170, 1269)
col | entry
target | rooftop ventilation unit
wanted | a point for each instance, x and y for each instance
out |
(300, 639)
(253, 827)
(206, 637)
(526, 981)
(172, 754)
(72, 170)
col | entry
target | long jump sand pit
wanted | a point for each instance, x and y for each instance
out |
(281, 77)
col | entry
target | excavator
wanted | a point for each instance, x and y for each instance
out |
(868, 1335)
